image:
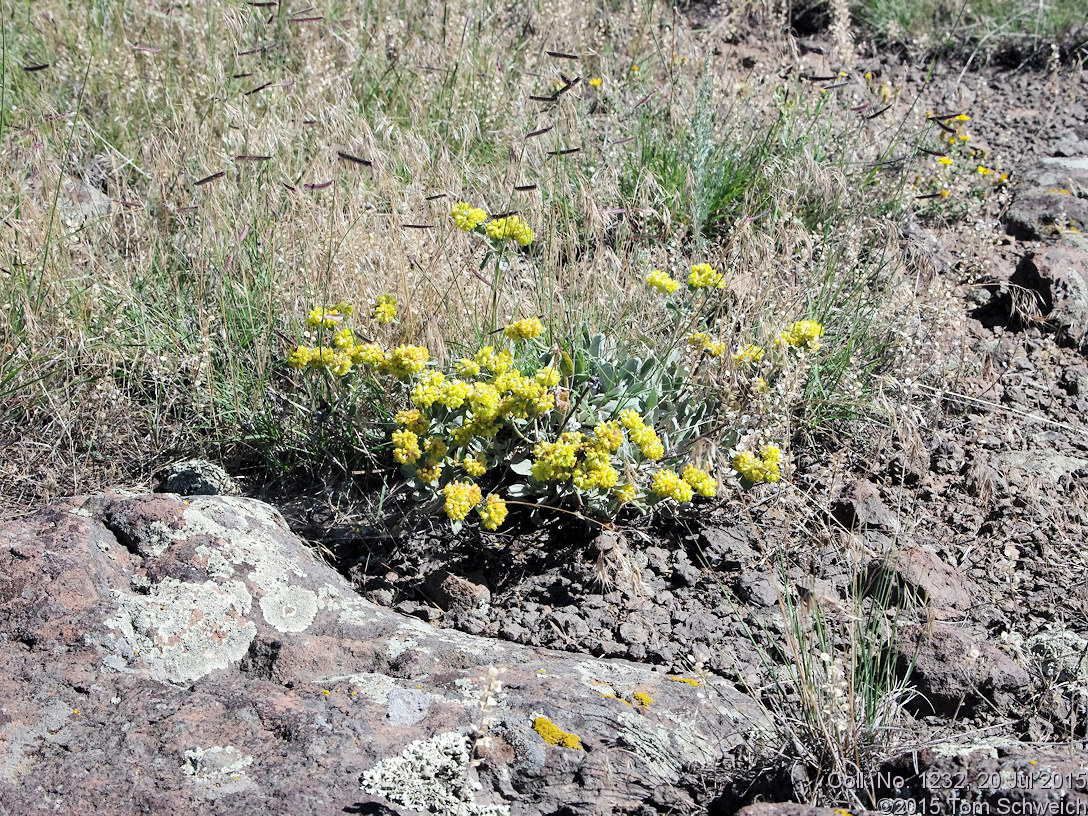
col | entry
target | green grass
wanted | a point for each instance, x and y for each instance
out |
(989, 25)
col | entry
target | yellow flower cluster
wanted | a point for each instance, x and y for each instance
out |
(701, 481)
(511, 227)
(762, 468)
(344, 339)
(555, 461)
(474, 466)
(804, 334)
(493, 513)
(524, 329)
(406, 447)
(642, 435)
(704, 276)
(329, 318)
(335, 361)
(413, 420)
(468, 368)
(467, 217)
(702, 341)
(369, 354)
(670, 486)
(406, 360)
(385, 309)
(662, 282)
(461, 497)
(748, 354)
(496, 363)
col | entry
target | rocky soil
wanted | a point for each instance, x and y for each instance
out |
(949, 548)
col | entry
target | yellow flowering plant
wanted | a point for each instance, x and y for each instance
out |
(572, 425)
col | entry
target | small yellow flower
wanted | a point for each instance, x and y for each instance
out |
(493, 513)
(429, 475)
(385, 309)
(701, 481)
(668, 485)
(300, 357)
(368, 354)
(344, 339)
(944, 160)
(984, 171)
(804, 334)
(474, 466)
(325, 318)
(526, 329)
(634, 69)
(511, 227)
(944, 193)
(626, 492)
(762, 468)
(405, 447)
(468, 368)
(413, 420)
(467, 217)
(662, 282)
(461, 497)
(748, 354)
(547, 377)
(595, 82)
(704, 276)
(406, 360)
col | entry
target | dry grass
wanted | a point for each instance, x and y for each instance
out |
(155, 262)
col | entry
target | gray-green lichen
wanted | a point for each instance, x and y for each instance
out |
(431, 775)
(186, 630)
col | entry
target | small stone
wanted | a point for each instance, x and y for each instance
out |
(196, 477)
(452, 592)
(859, 508)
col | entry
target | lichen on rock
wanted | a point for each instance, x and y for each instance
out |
(431, 775)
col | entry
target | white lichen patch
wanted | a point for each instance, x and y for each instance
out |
(215, 564)
(286, 607)
(431, 775)
(373, 686)
(219, 770)
(289, 608)
(407, 706)
(215, 761)
(187, 629)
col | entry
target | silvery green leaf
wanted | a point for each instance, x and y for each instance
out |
(522, 467)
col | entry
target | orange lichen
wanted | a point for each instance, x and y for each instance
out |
(554, 735)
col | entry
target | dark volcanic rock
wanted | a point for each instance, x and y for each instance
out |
(954, 673)
(918, 575)
(164, 656)
(1058, 274)
(1053, 191)
(860, 508)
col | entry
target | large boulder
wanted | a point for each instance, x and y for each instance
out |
(171, 656)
